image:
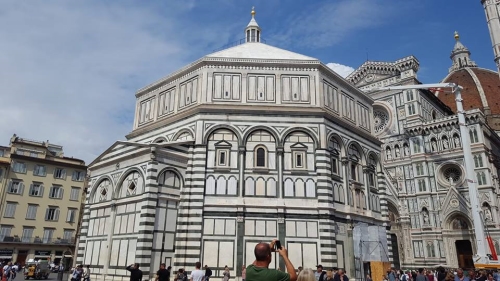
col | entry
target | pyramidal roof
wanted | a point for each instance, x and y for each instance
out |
(257, 50)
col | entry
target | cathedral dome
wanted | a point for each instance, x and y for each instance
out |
(481, 87)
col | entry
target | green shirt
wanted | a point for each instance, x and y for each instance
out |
(265, 274)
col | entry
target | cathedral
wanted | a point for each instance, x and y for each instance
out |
(254, 142)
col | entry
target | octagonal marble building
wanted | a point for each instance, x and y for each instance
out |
(243, 145)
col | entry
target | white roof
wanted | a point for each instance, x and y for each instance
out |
(255, 50)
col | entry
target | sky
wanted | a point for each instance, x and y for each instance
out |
(69, 70)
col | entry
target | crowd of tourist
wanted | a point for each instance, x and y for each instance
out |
(440, 274)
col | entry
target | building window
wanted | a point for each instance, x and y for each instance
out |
(411, 109)
(335, 165)
(56, 192)
(222, 157)
(71, 215)
(473, 135)
(421, 186)
(409, 95)
(78, 176)
(420, 169)
(5, 231)
(48, 235)
(10, 210)
(68, 234)
(27, 234)
(16, 187)
(354, 171)
(31, 213)
(52, 214)
(75, 194)
(371, 179)
(36, 189)
(299, 159)
(416, 146)
(60, 173)
(19, 167)
(418, 249)
(478, 161)
(481, 178)
(39, 171)
(260, 157)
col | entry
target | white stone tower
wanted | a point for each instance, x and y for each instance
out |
(252, 31)
(492, 9)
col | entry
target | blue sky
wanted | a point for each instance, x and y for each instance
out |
(69, 69)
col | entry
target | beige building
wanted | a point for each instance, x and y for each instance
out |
(41, 198)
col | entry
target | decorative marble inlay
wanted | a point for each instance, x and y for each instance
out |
(381, 119)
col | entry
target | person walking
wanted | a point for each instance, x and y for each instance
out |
(226, 274)
(86, 273)
(135, 272)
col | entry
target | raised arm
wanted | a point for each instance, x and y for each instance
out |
(289, 266)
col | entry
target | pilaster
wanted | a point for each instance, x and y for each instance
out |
(323, 184)
(190, 216)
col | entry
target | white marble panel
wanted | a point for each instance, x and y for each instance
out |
(271, 229)
(210, 250)
(236, 87)
(160, 216)
(312, 229)
(132, 246)
(301, 229)
(115, 253)
(157, 240)
(131, 223)
(304, 89)
(219, 227)
(118, 220)
(249, 227)
(194, 90)
(96, 251)
(208, 227)
(131, 207)
(103, 252)
(100, 212)
(88, 252)
(340, 256)
(249, 253)
(171, 220)
(270, 89)
(221, 185)
(120, 209)
(102, 225)
(260, 228)
(272, 160)
(210, 185)
(261, 84)
(295, 253)
(260, 187)
(232, 186)
(90, 230)
(123, 225)
(295, 89)
(290, 228)
(271, 187)
(217, 92)
(310, 188)
(226, 247)
(226, 93)
(93, 213)
(299, 188)
(169, 241)
(230, 227)
(182, 96)
(137, 221)
(252, 87)
(310, 255)
(288, 187)
(249, 186)
(286, 89)
(123, 253)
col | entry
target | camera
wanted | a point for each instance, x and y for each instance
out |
(277, 245)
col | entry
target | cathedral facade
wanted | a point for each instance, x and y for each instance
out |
(423, 161)
(245, 145)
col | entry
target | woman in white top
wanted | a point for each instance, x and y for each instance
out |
(306, 275)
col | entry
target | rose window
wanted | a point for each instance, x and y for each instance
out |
(451, 174)
(381, 119)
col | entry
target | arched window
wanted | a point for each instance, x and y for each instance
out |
(481, 178)
(478, 161)
(260, 157)
(434, 115)
(473, 135)
(355, 159)
(334, 148)
(430, 249)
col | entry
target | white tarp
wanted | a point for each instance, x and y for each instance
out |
(370, 243)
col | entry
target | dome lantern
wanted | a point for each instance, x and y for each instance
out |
(252, 31)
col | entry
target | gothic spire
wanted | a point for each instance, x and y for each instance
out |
(460, 56)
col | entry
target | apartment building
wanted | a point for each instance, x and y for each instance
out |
(41, 199)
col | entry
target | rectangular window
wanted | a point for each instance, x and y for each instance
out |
(222, 158)
(36, 189)
(335, 166)
(68, 234)
(10, 210)
(78, 176)
(56, 192)
(5, 231)
(299, 159)
(354, 172)
(27, 234)
(60, 173)
(31, 213)
(421, 186)
(40, 171)
(371, 179)
(420, 170)
(75, 194)
(52, 214)
(19, 167)
(71, 217)
(409, 95)
(16, 187)
(48, 235)
(411, 109)
(418, 249)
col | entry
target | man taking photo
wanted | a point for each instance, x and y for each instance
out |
(259, 270)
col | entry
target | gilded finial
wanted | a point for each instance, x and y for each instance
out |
(253, 12)
(457, 36)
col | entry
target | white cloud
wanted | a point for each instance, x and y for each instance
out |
(327, 23)
(340, 69)
(69, 70)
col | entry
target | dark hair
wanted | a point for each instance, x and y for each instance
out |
(169, 267)
(198, 264)
(262, 251)
(136, 265)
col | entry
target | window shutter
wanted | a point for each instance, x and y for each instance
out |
(61, 193)
(41, 191)
(47, 214)
(21, 188)
(56, 214)
(63, 174)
